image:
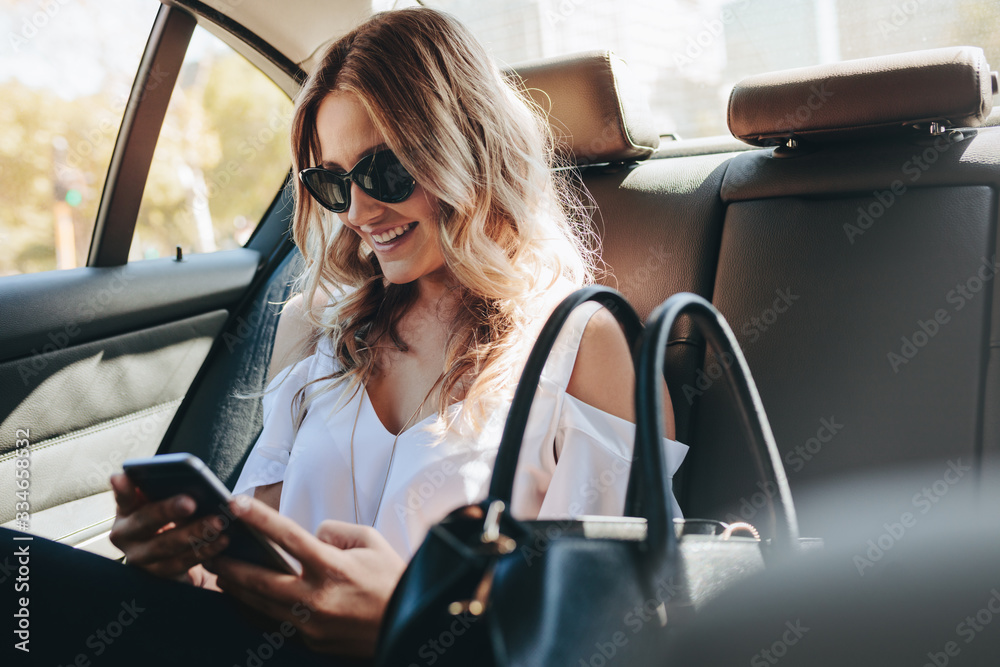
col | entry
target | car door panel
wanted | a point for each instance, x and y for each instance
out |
(95, 363)
(43, 312)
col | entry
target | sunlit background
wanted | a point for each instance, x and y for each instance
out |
(689, 53)
(66, 68)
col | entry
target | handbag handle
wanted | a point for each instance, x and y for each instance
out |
(502, 483)
(648, 469)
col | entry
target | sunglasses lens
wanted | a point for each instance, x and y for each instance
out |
(385, 178)
(327, 188)
(381, 175)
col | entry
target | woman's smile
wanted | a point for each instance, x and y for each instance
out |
(404, 234)
(391, 238)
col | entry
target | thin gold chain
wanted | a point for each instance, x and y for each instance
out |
(392, 455)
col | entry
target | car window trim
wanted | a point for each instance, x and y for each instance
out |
(245, 35)
(136, 141)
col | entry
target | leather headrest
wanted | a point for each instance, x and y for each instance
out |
(597, 112)
(862, 98)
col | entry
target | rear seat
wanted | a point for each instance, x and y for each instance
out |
(660, 221)
(838, 263)
(818, 294)
(857, 272)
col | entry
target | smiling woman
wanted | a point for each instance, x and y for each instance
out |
(454, 242)
(406, 249)
(437, 239)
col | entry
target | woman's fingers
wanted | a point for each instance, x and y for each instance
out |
(315, 557)
(162, 537)
(329, 627)
(349, 573)
(345, 535)
(271, 592)
(145, 522)
(126, 494)
(175, 551)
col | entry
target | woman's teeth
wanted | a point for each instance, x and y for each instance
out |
(389, 235)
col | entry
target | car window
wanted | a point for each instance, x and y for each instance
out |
(689, 53)
(221, 156)
(66, 69)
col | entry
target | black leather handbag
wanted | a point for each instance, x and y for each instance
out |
(487, 589)
(709, 557)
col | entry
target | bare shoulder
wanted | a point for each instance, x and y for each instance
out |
(603, 376)
(292, 340)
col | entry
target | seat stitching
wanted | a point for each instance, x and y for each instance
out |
(133, 416)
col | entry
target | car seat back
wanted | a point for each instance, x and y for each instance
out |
(856, 266)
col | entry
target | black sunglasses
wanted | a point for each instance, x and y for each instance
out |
(380, 175)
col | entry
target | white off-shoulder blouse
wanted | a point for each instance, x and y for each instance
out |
(430, 476)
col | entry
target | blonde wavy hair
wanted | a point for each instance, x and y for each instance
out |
(510, 227)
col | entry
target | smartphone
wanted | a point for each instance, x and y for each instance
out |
(166, 475)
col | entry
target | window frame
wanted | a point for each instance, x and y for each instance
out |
(133, 152)
(145, 111)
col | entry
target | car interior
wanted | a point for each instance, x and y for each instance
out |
(847, 230)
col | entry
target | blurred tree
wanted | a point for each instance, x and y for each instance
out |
(976, 26)
(33, 122)
(252, 118)
(221, 157)
(63, 88)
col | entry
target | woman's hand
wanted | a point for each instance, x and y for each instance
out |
(160, 537)
(336, 604)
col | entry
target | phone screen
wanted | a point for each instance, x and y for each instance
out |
(167, 475)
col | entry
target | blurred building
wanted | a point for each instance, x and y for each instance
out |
(690, 52)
